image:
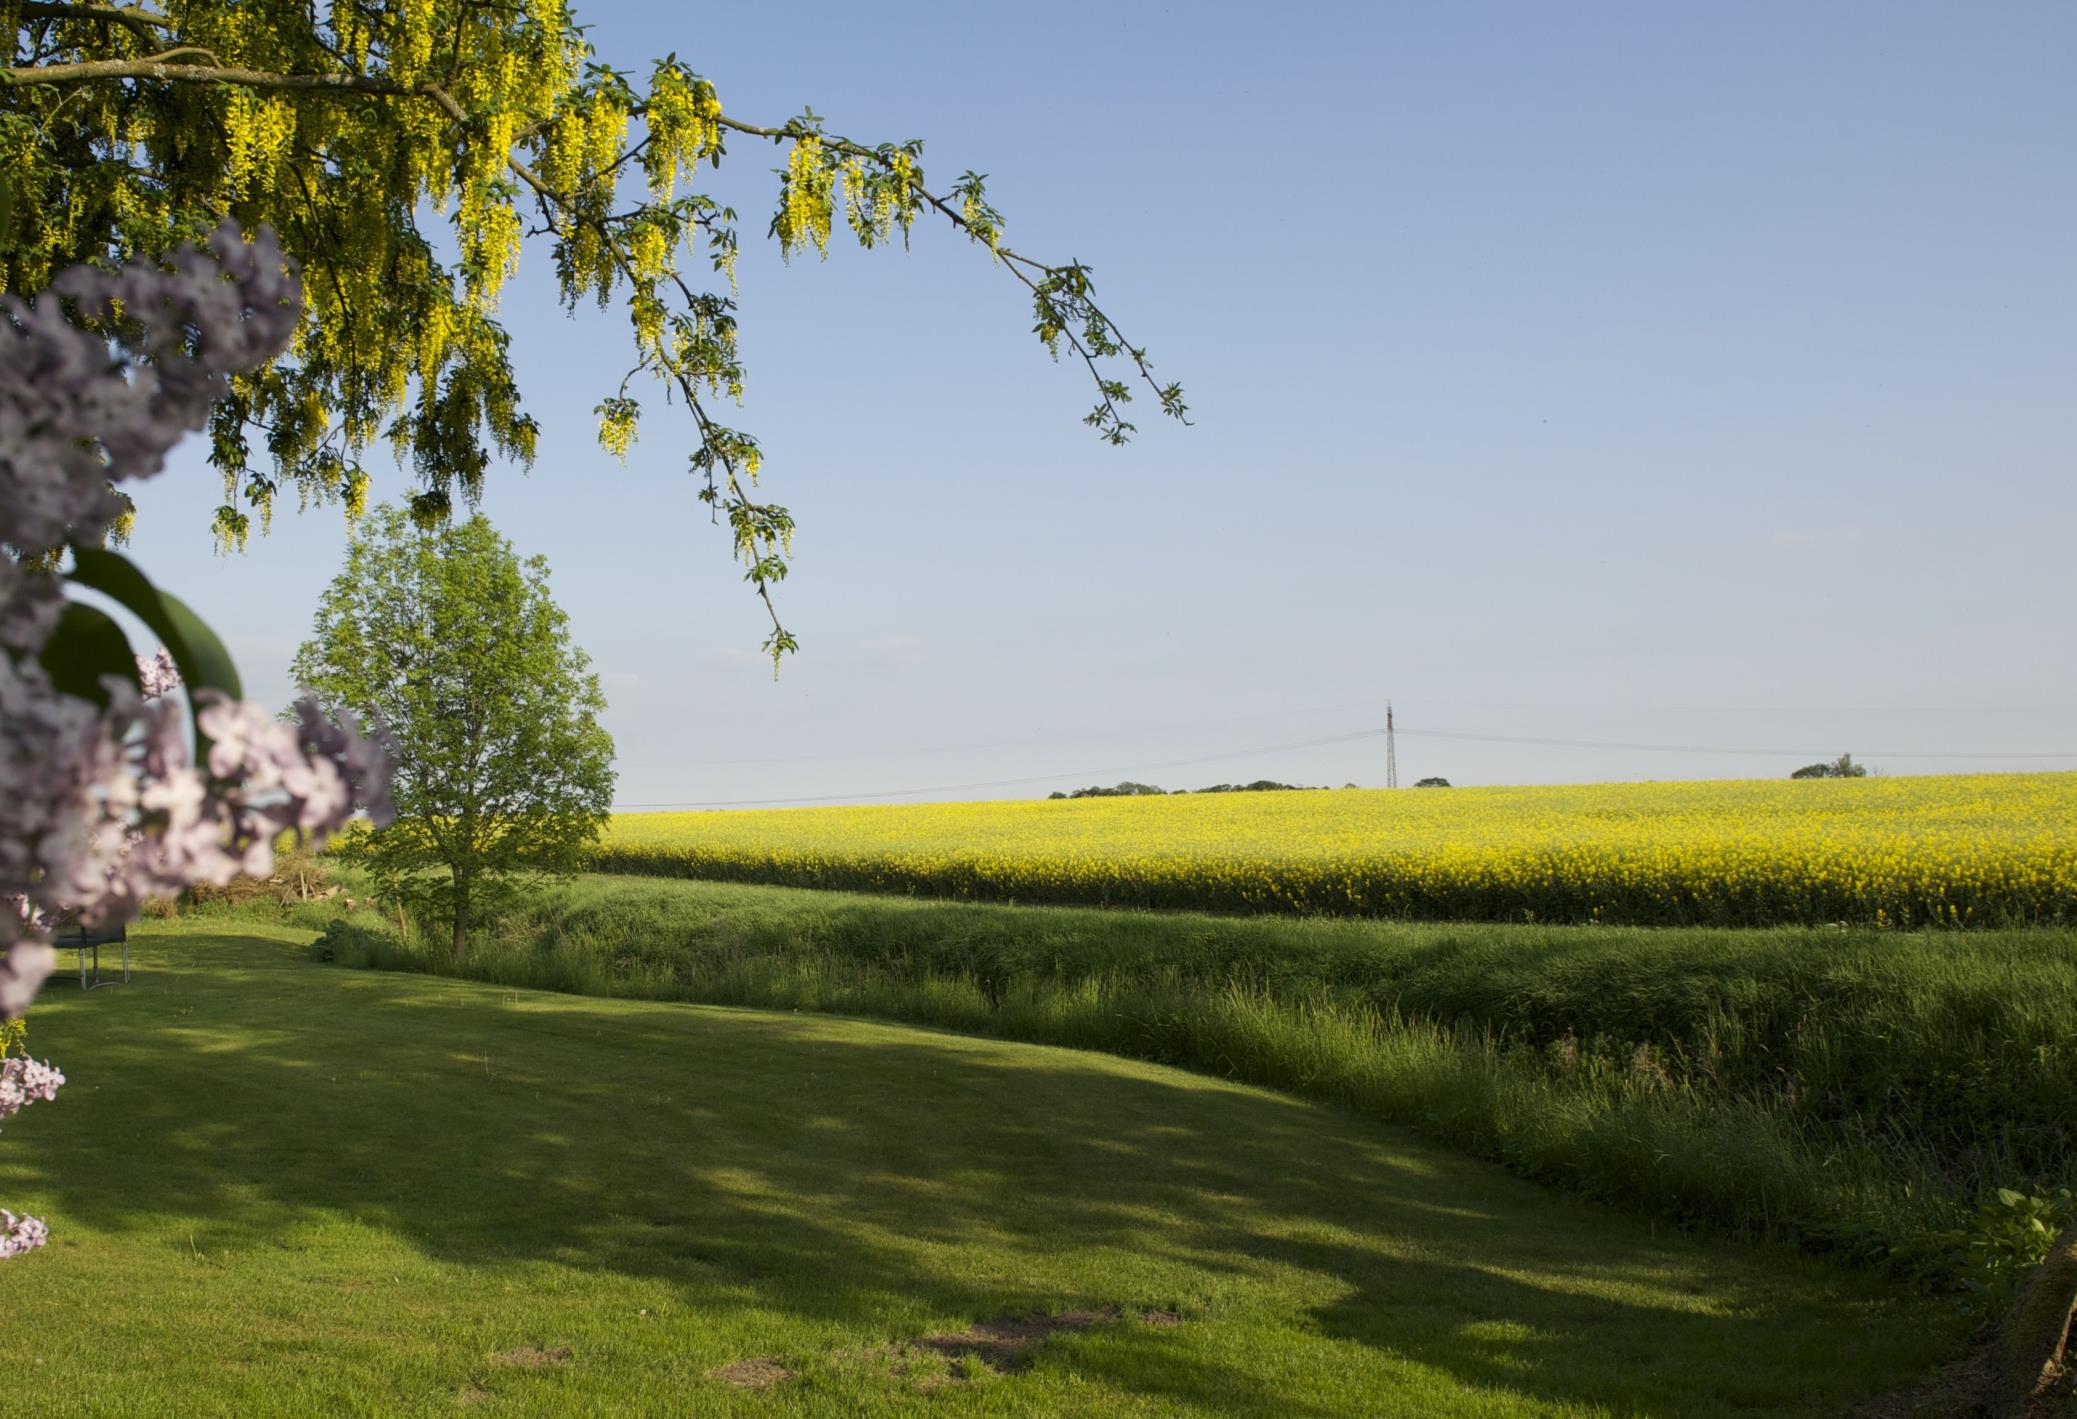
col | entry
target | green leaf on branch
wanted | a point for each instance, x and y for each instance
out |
(203, 661)
(88, 645)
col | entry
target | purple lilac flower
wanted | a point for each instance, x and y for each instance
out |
(19, 1235)
(24, 1082)
(102, 808)
(158, 674)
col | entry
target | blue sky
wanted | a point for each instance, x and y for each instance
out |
(1625, 373)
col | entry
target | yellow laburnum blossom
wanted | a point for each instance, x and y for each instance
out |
(684, 117)
(256, 134)
(805, 207)
(648, 251)
(412, 49)
(435, 333)
(617, 432)
(605, 130)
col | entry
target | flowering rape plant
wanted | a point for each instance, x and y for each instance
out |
(110, 791)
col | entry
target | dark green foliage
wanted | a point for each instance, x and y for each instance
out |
(1432, 783)
(1260, 785)
(350, 943)
(2006, 1237)
(1841, 767)
(1129, 789)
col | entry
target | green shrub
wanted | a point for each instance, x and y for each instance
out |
(354, 944)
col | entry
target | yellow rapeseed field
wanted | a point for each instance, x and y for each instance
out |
(1963, 850)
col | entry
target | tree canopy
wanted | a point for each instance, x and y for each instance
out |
(454, 644)
(126, 128)
(1841, 767)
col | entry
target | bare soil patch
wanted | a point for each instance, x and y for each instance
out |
(1005, 1344)
(1963, 1390)
(761, 1373)
(531, 1357)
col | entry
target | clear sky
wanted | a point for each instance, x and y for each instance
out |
(1642, 373)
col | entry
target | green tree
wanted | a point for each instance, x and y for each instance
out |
(453, 644)
(346, 125)
(1841, 767)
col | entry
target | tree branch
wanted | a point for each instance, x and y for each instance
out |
(158, 66)
(1016, 263)
(136, 17)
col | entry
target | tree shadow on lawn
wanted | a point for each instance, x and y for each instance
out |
(888, 1180)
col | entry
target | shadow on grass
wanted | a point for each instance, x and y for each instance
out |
(855, 1177)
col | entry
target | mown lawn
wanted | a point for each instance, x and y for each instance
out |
(1846, 1091)
(278, 1188)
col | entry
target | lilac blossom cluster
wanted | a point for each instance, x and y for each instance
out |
(23, 1082)
(103, 807)
(20, 1234)
(157, 674)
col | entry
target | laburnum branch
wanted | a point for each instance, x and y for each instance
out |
(1072, 277)
(160, 67)
(759, 546)
(1062, 295)
(144, 21)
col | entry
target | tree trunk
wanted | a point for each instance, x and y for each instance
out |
(461, 917)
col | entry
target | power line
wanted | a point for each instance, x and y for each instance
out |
(1016, 782)
(1706, 749)
(1188, 726)
(1000, 744)
(1144, 766)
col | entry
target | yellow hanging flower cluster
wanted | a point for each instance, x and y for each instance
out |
(648, 255)
(807, 198)
(257, 133)
(617, 428)
(875, 203)
(435, 335)
(684, 117)
(648, 249)
(605, 131)
(411, 50)
(562, 149)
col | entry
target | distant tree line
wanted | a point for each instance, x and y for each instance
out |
(1129, 789)
(1841, 767)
